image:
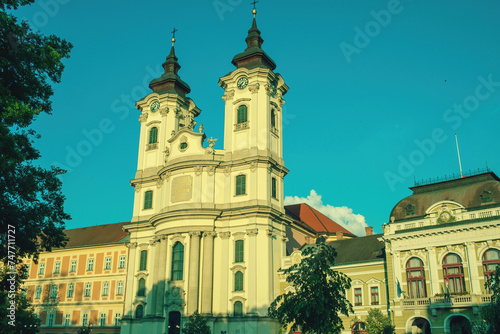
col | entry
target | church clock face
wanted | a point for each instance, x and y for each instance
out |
(155, 106)
(242, 82)
(445, 216)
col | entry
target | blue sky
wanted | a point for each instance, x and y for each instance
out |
(378, 90)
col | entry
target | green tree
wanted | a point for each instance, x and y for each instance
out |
(488, 321)
(196, 324)
(31, 202)
(319, 294)
(377, 323)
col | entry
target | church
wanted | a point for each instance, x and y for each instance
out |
(210, 232)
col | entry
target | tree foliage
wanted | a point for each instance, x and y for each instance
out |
(488, 321)
(196, 324)
(377, 323)
(319, 294)
(31, 201)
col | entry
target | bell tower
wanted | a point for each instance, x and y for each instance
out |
(253, 102)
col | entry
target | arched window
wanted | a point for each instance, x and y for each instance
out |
(177, 261)
(359, 328)
(153, 135)
(141, 287)
(273, 118)
(241, 184)
(238, 281)
(139, 311)
(238, 251)
(238, 309)
(453, 273)
(148, 199)
(242, 114)
(491, 260)
(415, 278)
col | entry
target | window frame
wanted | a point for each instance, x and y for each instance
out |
(238, 311)
(67, 319)
(87, 290)
(177, 269)
(105, 289)
(72, 266)
(121, 262)
(90, 264)
(71, 290)
(239, 251)
(148, 200)
(54, 290)
(239, 281)
(274, 188)
(143, 260)
(102, 319)
(242, 114)
(153, 135)
(416, 284)
(358, 297)
(374, 295)
(38, 292)
(108, 263)
(240, 185)
(85, 319)
(454, 277)
(119, 288)
(57, 267)
(41, 268)
(141, 287)
(487, 263)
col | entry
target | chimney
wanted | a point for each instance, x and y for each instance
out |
(340, 235)
(369, 230)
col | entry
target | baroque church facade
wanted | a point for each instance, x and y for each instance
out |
(210, 232)
(209, 226)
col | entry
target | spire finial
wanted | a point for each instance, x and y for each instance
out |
(173, 36)
(254, 11)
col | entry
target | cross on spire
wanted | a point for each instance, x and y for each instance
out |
(254, 3)
(173, 32)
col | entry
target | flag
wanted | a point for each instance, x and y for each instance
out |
(399, 291)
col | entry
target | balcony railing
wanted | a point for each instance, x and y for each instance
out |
(445, 301)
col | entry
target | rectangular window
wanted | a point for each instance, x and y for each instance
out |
(121, 262)
(102, 319)
(51, 320)
(85, 319)
(144, 260)
(90, 265)
(27, 270)
(148, 199)
(358, 297)
(38, 292)
(238, 250)
(53, 291)
(41, 269)
(71, 289)
(119, 288)
(67, 319)
(274, 188)
(105, 288)
(241, 185)
(86, 293)
(117, 319)
(57, 268)
(374, 295)
(72, 267)
(107, 263)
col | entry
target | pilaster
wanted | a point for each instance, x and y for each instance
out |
(129, 294)
(194, 265)
(161, 269)
(207, 280)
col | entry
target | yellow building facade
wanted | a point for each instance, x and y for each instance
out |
(82, 284)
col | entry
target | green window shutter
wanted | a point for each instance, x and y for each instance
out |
(177, 261)
(144, 260)
(153, 135)
(148, 199)
(141, 287)
(238, 281)
(238, 309)
(273, 188)
(238, 250)
(242, 114)
(240, 185)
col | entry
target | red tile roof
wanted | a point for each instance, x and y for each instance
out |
(313, 220)
(96, 235)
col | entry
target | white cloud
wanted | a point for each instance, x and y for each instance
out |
(342, 215)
